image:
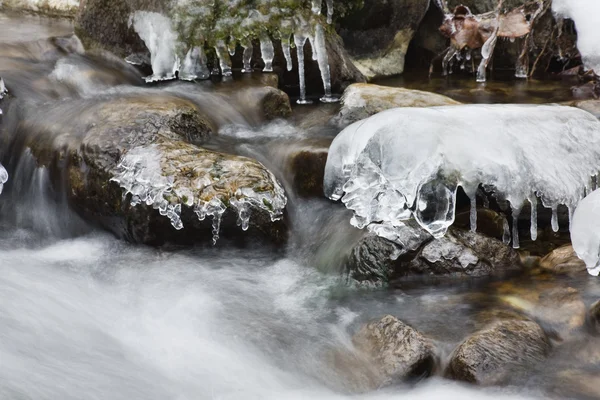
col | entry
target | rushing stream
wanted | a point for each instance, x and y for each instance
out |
(84, 315)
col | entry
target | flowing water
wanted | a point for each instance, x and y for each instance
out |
(86, 316)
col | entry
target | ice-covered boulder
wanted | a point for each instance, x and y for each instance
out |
(585, 232)
(409, 162)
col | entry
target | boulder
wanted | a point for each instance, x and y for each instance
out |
(378, 34)
(133, 165)
(395, 350)
(498, 352)
(376, 260)
(54, 8)
(361, 100)
(563, 260)
(594, 316)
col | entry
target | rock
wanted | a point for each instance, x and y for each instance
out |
(376, 260)
(378, 34)
(558, 310)
(95, 148)
(308, 166)
(362, 100)
(54, 8)
(593, 316)
(493, 355)
(591, 106)
(563, 260)
(396, 350)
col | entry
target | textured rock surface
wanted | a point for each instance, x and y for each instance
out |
(492, 355)
(563, 260)
(361, 100)
(396, 350)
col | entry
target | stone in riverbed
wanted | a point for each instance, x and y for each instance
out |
(396, 350)
(563, 260)
(361, 100)
(88, 143)
(376, 260)
(495, 354)
(594, 316)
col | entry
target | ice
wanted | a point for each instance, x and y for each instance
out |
(267, 52)
(140, 174)
(157, 33)
(323, 60)
(408, 162)
(224, 60)
(585, 232)
(194, 65)
(3, 177)
(300, 41)
(3, 91)
(585, 15)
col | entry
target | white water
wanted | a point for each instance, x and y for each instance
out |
(94, 318)
(585, 14)
(408, 162)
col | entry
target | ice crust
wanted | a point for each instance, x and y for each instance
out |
(165, 38)
(585, 232)
(408, 163)
(585, 15)
(3, 177)
(140, 174)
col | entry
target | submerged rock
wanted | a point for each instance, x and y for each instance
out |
(396, 350)
(494, 354)
(594, 316)
(361, 100)
(377, 260)
(133, 166)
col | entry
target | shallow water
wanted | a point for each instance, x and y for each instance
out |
(83, 315)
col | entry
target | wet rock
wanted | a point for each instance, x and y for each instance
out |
(563, 260)
(376, 260)
(378, 34)
(594, 316)
(494, 354)
(591, 106)
(489, 222)
(362, 100)
(396, 350)
(308, 166)
(54, 8)
(558, 310)
(85, 144)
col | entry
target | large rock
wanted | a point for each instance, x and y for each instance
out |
(361, 100)
(378, 34)
(494, 354)
(396, 350)
(563, 260)
(147, 146)
(376, 260)
(594, 316)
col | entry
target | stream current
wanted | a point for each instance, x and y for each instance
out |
(86, 316)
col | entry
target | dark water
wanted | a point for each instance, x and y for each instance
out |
(83, 315)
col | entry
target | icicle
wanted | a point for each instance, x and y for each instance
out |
(232, 45)
(313, 46)
(554, 220)
(486, 52)
(473, 213)
(506, 234)
(285, 47)
(533, 230)
(323, 60)
(449, 56)
(194, 65)
(300, 41)
(267, 51)
(329, 11)
(224, 60)
(247, 56)
(515, 228)
(316, 6)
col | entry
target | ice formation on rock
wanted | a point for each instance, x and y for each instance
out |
(585, 15)
(194, 24)
(3, 91)
(585, 232)
(408, 162)
(140, 174)
(3, 177)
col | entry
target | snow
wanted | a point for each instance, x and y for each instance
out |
(585, 15)
(585, 232)
(408, 162)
